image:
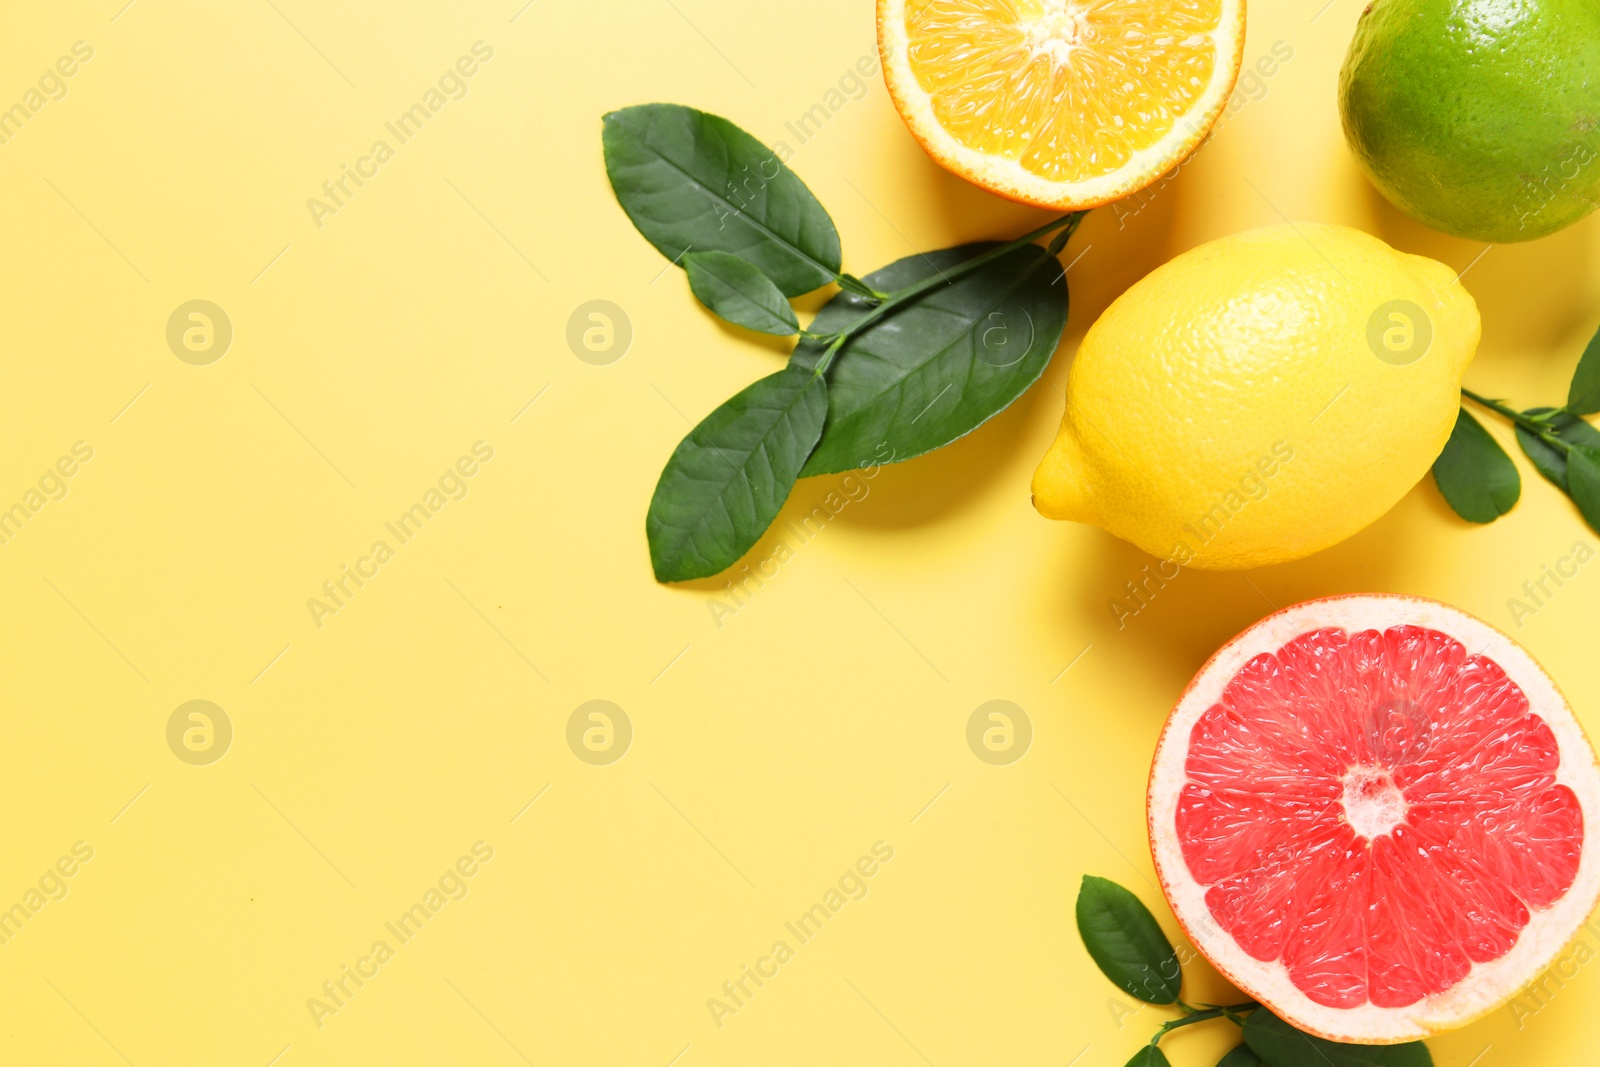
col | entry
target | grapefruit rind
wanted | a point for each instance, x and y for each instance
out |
(1008, 178)
(1487, 985)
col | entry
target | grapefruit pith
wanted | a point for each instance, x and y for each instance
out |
(1369, 813)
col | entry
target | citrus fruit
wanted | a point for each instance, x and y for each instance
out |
(1369, 813)
(1060, 103)
(1261, 397)
(1480, 118)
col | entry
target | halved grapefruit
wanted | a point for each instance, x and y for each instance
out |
(1060, 103)
(1369, 813)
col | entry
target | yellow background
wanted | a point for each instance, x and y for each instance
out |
(769, 752)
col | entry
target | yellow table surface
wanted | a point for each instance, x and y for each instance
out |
(380, 338)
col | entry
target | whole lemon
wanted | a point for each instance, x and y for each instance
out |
(1480, 118)
(1261, 397)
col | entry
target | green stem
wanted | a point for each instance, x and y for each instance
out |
(1211, 1011)
(1187, 1020)
(968, 266)
(1231, 1011)
(1527, 422)
(851, 284)
(900, 297)
(827, 357)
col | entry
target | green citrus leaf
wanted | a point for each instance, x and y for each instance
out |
(1149, 1056)
(694, 182)
(737, 291)
(943, 365)
(1126, 942)
(1281, 1045)
(1583, 482)
(1583, 396)
(1241, 1056)
(1477, 478)
(1550, 460)
(726, 482)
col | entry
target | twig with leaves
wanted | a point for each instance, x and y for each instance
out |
(1128, 945)
(900, 362)
(1481, 483)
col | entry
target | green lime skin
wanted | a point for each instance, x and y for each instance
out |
(1480, 118)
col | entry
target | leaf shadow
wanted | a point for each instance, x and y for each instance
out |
(777, 346)
(805, 306)
(1429, 497)
(936, 485)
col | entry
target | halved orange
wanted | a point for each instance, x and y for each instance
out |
(1060, 103)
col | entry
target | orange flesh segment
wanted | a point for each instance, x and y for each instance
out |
(1378, 811)
(1068, 89)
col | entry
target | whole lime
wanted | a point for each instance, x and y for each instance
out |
(1480, 118)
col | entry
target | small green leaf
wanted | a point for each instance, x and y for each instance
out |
(1241, 1056)
(941, 366)
(726, 482)
(1149, 1056)
(1477, 478)
(694, 182)
(1126, 942)
(1281, 1045)
(1583, 396)
(737, 291)
(1551, 460)
(1583, 482)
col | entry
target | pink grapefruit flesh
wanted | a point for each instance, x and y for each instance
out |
(1369, 813)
